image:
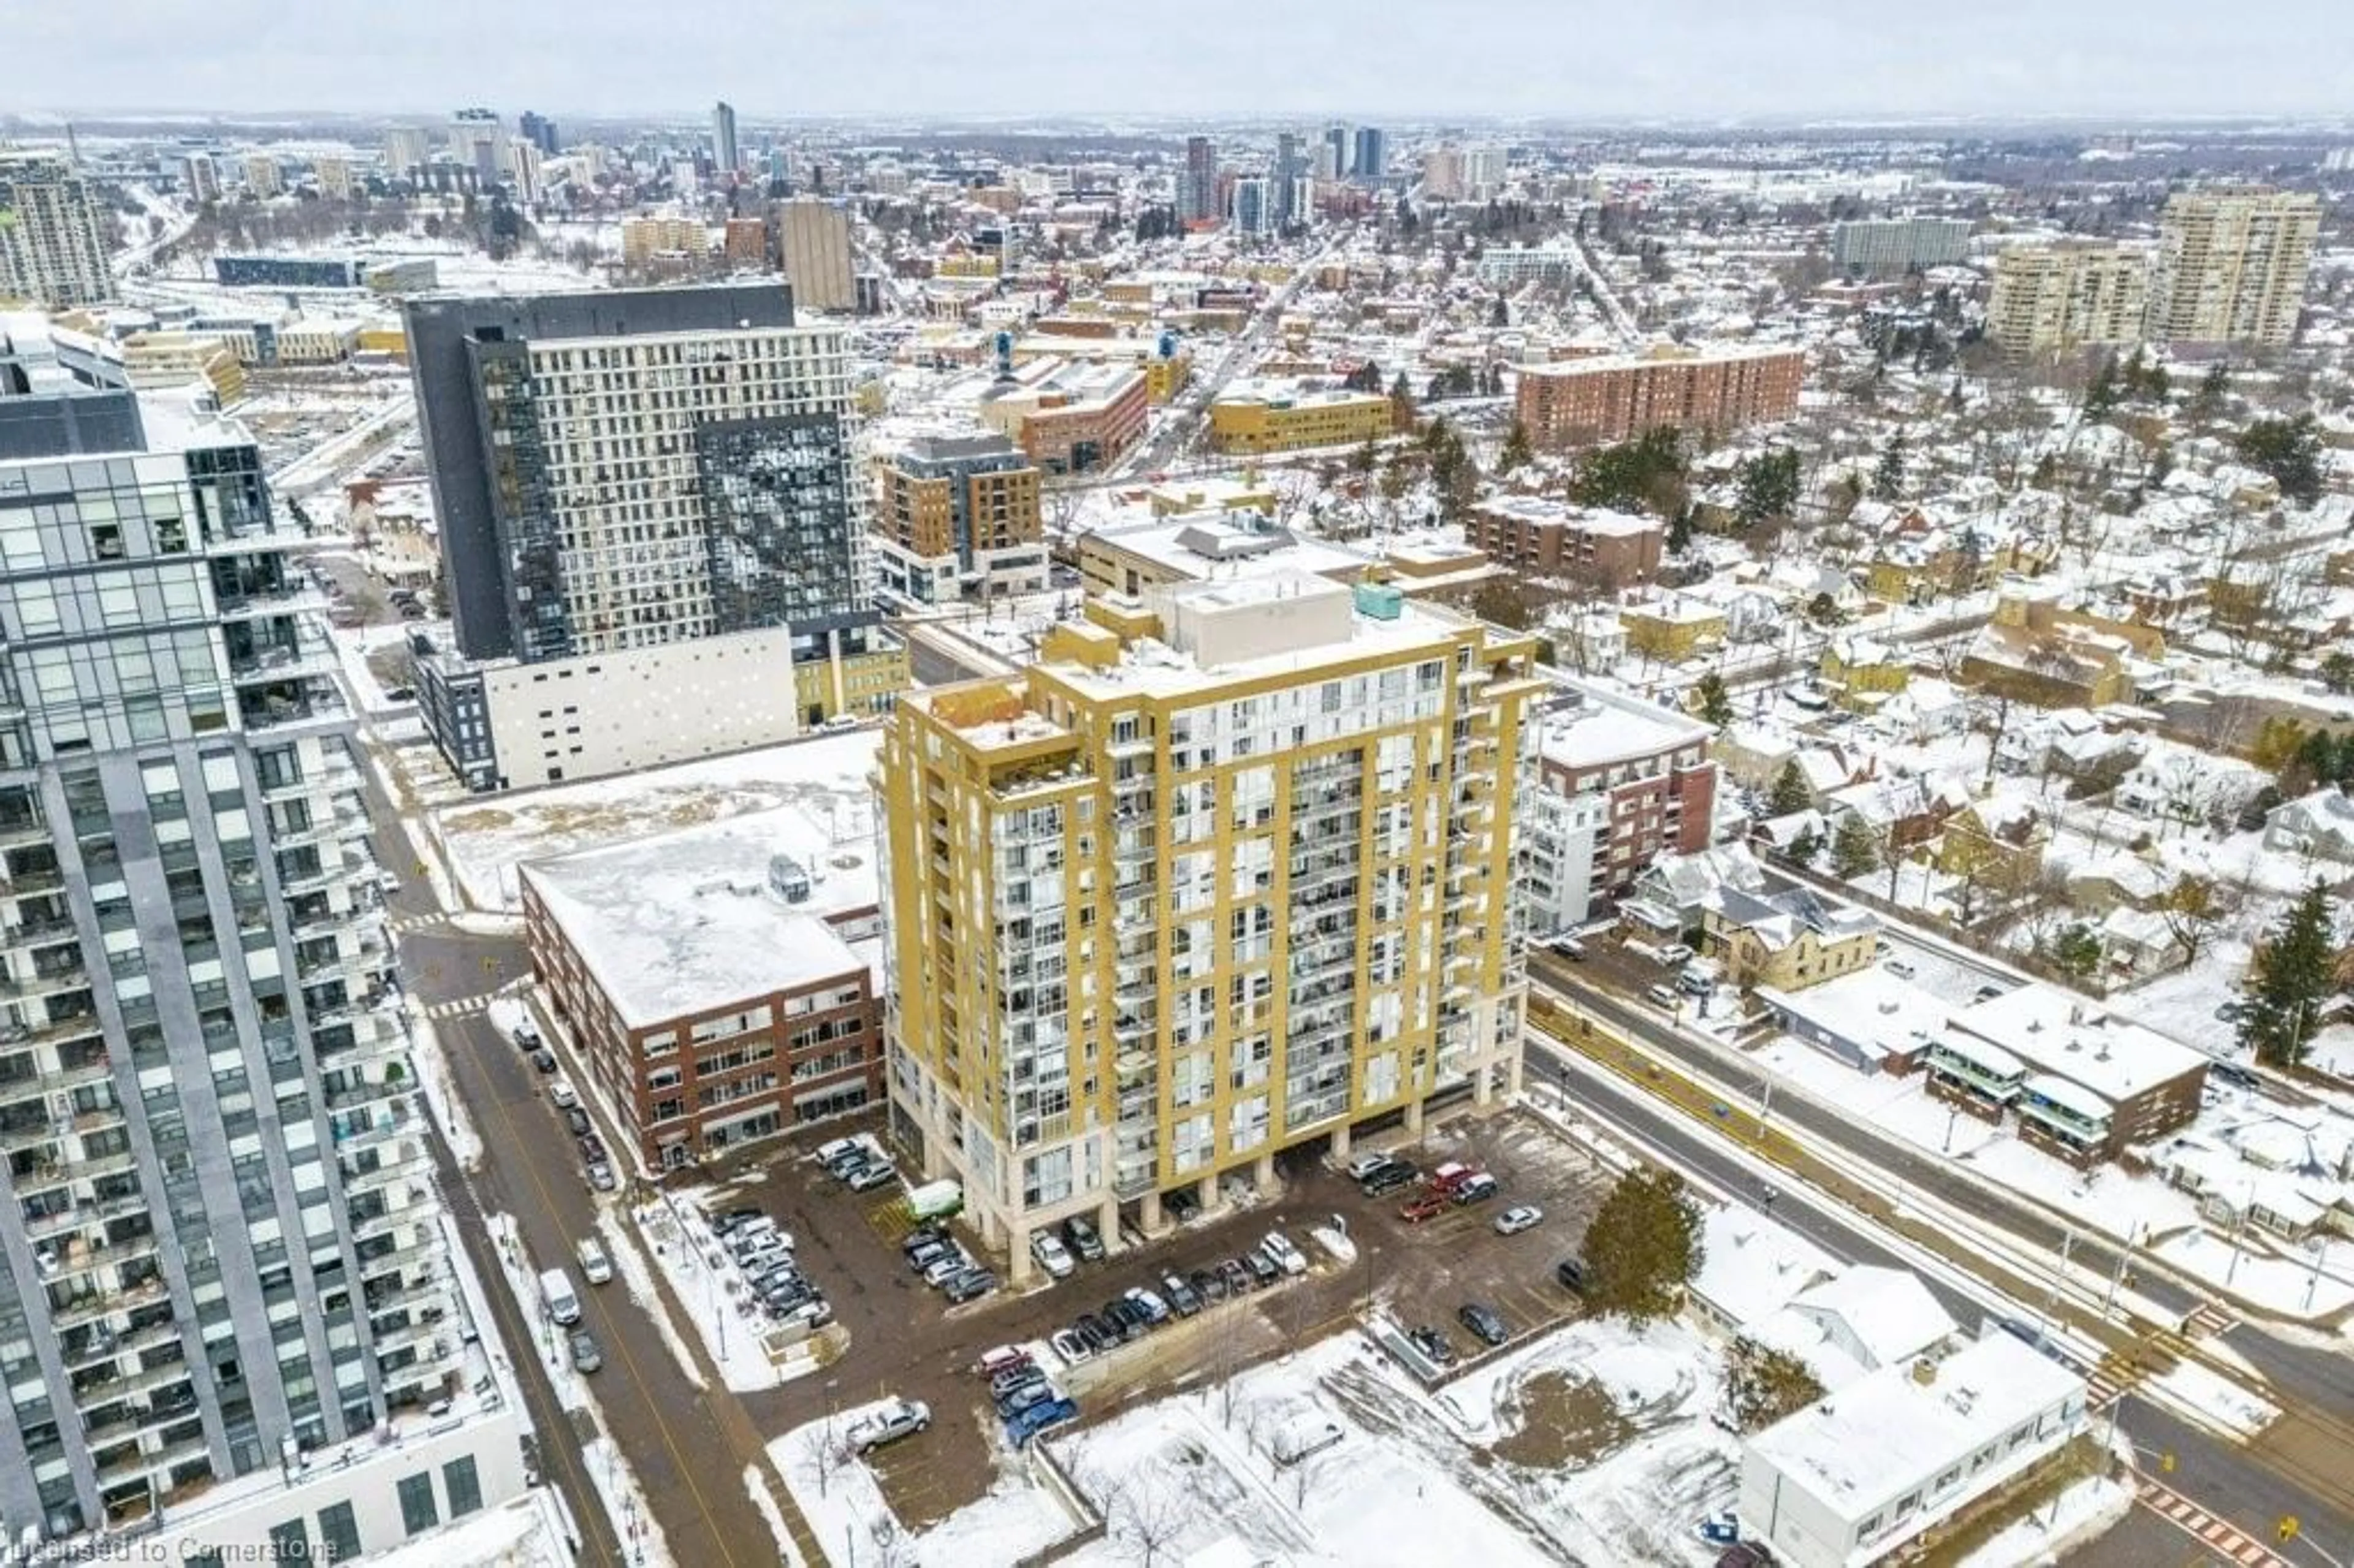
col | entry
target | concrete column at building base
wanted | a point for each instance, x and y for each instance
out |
(1339, 1141)
(1263, 1174)
(1148, 1215)
(1018, 1261)
(1414, 1116)
(1108, 1223)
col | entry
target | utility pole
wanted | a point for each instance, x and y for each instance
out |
(2239, 1237)
(2133, 1235)
(2052, 1299)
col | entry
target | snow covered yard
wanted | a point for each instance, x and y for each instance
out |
(825, 776)
(838, 1494)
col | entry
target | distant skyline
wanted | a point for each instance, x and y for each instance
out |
(1685, 60)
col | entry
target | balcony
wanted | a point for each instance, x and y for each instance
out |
(368, 1091)
(100, 1304)
(285, 704)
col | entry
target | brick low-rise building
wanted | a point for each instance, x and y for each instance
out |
(1592, 402)
(1547, 538)
(708, 980)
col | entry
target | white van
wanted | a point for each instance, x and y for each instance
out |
(556, 1295)
(594, 1265)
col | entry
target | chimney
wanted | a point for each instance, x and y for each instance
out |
(1924, 1370)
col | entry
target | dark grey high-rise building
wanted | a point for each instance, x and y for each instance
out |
(222, 1239)
(1288, 171)
(621, 470)
(539, 132)
(1197, 181)
(1336, 138)
(723, 139)
(1372, 159)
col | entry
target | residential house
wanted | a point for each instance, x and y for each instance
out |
(2319, 826)
(1678, 887)
(1995, 842)
(1902, 811)
(1861, 673)
(2180, 784)
(1868, 1020)
(1751, 1269)
(1927, 709)
(1789, 940)
(1865, 1319)
(1672, 627)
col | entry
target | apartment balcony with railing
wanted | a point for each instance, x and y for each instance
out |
(285, 703)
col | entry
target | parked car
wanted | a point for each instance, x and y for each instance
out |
(1517, 1218)
(1391, 1176)
(971, 1285)
(1423, 1206)
(1125, 1318)
(941, 1270)
(900, 1418)
(1664, 996)
(1571, 1272)
(1037, 1418)
(1002, 1360)
(601, 1177)
(931, 1252)
(1432, 1344)
(866, 1178)
(1264, 1269)
(1478, 1190)
(526, 1033)
(1021, 1396)
(1156, 1311)
(586, 1357)
(1080, 1236)
(1486, 1326)
(1012, 1378)
(1899, 967)
(1286, 1257)
(1569, 947)
(1071, 1345)
(1211, 1288)
(1181, 1206)
(561, 1094)
(577, 1120)
(1236, 1274)
(1052, 1254)
(1364, 1165)
(544, 1059)
(1095, 1333)
(594, 1263)
(1183, 1299)
(1674, 954)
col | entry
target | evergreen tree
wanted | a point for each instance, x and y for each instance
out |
(1761, 1385)
(1806, 847)
(1715, 702)
(1643, 1246)
(1888, 474)
(2207, 403)
(1500, 314)
(1401, 405)
(1855, 849)
(1516, 449)
(2293, 976)
(2289, 450)
(1769, 486)
(1791, 792)
(2076, 950)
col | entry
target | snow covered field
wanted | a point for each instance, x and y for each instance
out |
(826, 777)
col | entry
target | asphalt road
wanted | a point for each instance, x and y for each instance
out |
(2243, 1487)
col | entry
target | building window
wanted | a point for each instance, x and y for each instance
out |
(465, 1487)
(289, 1542)
(416, 1514)
(339, 1533)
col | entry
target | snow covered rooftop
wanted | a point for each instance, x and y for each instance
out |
(1593, 726)
(1753, 1267)
(2057, 1032)
(1889, 1433)
(691, 921)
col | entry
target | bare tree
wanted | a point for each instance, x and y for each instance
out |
(1147, 1516)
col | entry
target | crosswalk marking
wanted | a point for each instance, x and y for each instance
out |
(2209, 1321)
(458, 1007)
(2203, 1527)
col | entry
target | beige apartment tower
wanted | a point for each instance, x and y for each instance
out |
(1228, 871)
(2230, 266)
(2060, 297)
(53, 239)
(816, 235)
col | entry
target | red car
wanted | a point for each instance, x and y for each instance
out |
(1430, 1206)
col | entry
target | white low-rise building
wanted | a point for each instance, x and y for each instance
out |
(1850, 1479)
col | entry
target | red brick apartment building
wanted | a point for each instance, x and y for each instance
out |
(1595, 402)
(707, 980)
(1548, 538)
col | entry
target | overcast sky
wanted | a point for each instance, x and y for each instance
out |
(1574, 59)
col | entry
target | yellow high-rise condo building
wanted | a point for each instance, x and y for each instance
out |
(1228, 871)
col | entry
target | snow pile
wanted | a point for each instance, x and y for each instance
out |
(524, 1533)
(432, 1071)
(2284, 1286)
(756, 1486)
(1335, 1242)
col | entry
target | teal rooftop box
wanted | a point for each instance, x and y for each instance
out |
(1380, 601)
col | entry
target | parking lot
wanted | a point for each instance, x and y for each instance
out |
(905, 1339)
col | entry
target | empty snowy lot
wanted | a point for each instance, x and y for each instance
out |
(1588, 1446)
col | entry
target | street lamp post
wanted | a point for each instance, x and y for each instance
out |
(2240, 1236)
